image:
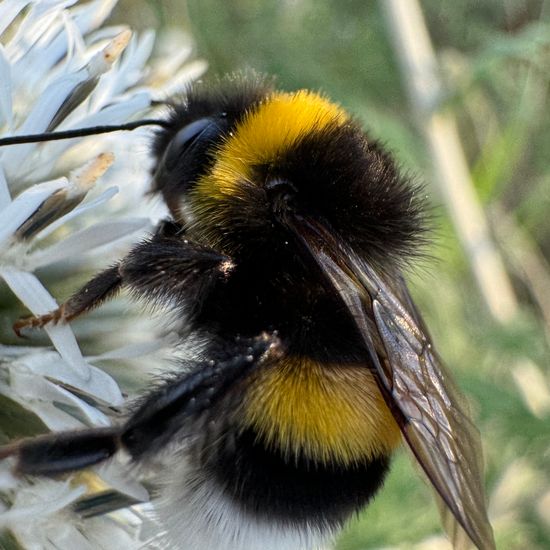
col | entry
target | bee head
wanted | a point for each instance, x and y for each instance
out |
(246, 159)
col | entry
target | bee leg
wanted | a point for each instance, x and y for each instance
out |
(173, 271)
(57, 453)
(162, 413)
(101, 288)
(165, 268)
(166, 411)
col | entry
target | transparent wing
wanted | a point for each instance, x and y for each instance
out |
(432, 414)
(438, 427)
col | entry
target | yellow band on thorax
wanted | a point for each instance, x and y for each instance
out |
(265, 133)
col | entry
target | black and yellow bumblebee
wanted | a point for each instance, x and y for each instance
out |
(290, 228)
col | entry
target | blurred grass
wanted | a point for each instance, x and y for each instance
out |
(496, 59)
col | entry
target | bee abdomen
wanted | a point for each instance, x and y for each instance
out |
(228, 490)
(293, 491)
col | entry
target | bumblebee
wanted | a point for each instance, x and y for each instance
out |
(282, 261)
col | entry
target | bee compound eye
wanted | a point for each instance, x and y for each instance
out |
(191, 135)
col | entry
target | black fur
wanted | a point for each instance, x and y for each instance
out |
(339, 177)
(352, 186)
(349, 182)
(174, 407)
(173, 271)
(224, 104)
(166, 269)
(294, 493)
(53, 454)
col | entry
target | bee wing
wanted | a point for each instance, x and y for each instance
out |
(431, 413)
(437, 426)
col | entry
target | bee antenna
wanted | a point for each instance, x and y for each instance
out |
(81, 132)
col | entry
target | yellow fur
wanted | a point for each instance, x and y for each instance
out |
(330, 413)
(264, 133)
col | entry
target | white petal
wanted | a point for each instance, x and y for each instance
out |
(31, 292)
(86, 240)
(8, 481)
(58, 497)
(56, 419)
(5, 196)
(32, 386)
(9, 9)
(99, 386)
(54, 43)
(133, 351)
(102, 61)
(91, 15)
(37, 395)
(25, 205)
(112, 114)
(75, 41)
(28, 48)
(65, 535)
(16, 351)
(98, 64)
(128, 72)
(13, 157)
(117, 476)
(137, 57)
(38, 44)
(118, 112)
(6, 104)
(106, 534)
(80, 209)
(180, 81)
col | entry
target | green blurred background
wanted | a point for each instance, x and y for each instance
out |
(495, 61)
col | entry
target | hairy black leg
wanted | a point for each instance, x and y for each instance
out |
(165, 268)
(162, 414)
(56, 453)
(173, 271)
(99, 289)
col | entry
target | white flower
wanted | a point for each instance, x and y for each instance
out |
(61, 202)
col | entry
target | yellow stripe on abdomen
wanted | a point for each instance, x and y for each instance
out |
(329, 413)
